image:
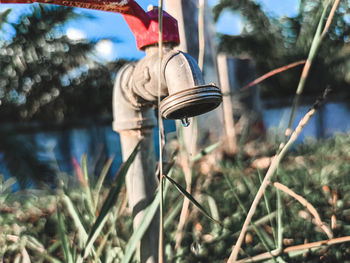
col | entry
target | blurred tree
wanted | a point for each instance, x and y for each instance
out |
(45, 76)
(276, 41)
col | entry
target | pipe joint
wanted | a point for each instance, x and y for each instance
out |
(130, 112)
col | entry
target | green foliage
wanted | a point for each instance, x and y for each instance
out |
(191, 198)
(280, 213)
(273, 42)
(318, 171)
(109, 202)
(134, 240)
(20, 158)
(46, 76)
(69, 219)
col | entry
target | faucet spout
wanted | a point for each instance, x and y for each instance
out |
(188, 96)
(183, 91)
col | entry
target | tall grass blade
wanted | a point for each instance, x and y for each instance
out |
(64, 238)
(316, 42)
(94, 235)
(110, 201)
(279, 221)
(8, 184)
(76, 218)
(256, 229)
(206, 151)
(101, 179)
(268, 209)
(34, 245)
(270, 172)
(213, 210)
(161, 136)
(84, 166)
(102, 244)
(54, 246)
(6, 187)
(191, 198)
(89, 199)
(175, 210)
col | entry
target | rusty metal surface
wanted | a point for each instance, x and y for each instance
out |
(119, 6)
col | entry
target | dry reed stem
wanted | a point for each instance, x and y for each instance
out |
(270, 172)
(334, 205)
(79, 172)
(272, 73)
(201, 33)
(16, 239)
(184, 159)
(13, 238)
(25, 256)
(185, 207)
(316, 42)
(330, 18)
(230, 147)
(296, 248)
(308, 206)
(334, 221)
(183, 218)
(308, 63)
(161, 132)
(315, 45)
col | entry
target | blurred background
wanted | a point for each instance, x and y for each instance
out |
(58, 65)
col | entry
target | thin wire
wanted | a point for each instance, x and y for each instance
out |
(160, 130)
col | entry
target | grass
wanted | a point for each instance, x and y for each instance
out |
(304, 215)
(44, 226)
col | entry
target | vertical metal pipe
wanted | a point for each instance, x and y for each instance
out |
(231, 140)
(134, 94)
(141, 186)
(135, 124)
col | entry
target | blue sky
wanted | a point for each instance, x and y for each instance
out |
(113, 25)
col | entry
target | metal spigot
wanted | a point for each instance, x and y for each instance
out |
(135, 93)
(183, 92)
(188, 96)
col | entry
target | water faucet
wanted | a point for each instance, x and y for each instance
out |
(183, 92)
(183, 89)
(135, 93)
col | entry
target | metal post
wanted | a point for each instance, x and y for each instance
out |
(245, 105)
(141, 185)
(185, 12)
(229, 124)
